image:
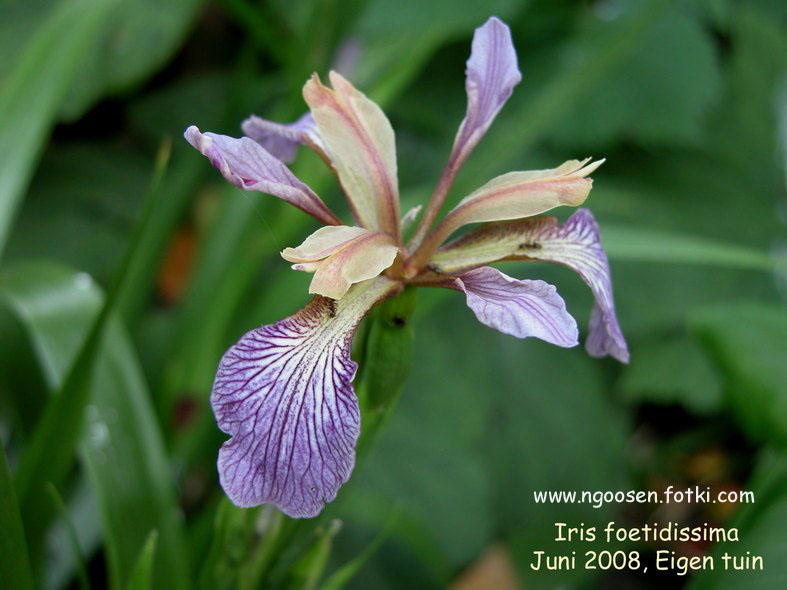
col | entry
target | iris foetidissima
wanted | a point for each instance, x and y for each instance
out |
(283, 392)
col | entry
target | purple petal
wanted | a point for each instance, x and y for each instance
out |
(519, 308)
(247, 165)
(492, 73)
(284, 394)
(577, 244)
(281, 140)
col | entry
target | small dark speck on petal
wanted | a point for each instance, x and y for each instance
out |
(530, 245)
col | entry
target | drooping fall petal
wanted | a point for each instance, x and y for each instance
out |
(575, 244)
(247, 165)
(341, 256)
(516, 195)
(284, 395)
(519, 308)
(282, 140)
(492, 73)
(359, 142)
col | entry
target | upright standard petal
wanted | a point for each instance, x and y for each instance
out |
(492, 73)
(513, 196)
(575, 244)
(282, 140)
(519, 308)
(359, 142)
(341, 256)
(247, 165)
(284, 395)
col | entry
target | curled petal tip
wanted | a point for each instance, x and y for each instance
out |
(247, 165)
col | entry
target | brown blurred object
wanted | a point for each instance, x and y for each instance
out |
(494, 570)
(175, 270)
(707, 465)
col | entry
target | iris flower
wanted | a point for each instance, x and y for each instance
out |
(284, 391)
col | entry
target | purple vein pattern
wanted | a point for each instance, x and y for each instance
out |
(519, 308)
(577, 244)
(284, 394)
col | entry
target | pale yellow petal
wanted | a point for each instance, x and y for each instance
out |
(363, 258)
(517, 195)
(323, 243)
(359, 141)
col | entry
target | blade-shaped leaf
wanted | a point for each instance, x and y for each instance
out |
(630, 243)
(748, 342)
(141, 575)
(122, 448)
(32, 93)
(14, 565)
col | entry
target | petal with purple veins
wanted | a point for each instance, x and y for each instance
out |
(247, 165)
(284, 395)
(576, 244)
(282, 140)
(519, 308)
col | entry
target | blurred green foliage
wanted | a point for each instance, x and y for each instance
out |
(103, 399)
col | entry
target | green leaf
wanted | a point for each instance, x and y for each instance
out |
(15, 565)
(656, 95)
(137, 39)
(748, 342)
(552, 426)
(761, 530)
(142, 575)
(307, 571)
(73, 539)
(122, 449)
(50, 451)
(554, 91)
(645, 245)
(92, 190)
(33, 90)
(244, 544)
(669, 370)
(342, 576)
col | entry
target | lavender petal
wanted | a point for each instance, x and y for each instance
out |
(284, 394)
(519, 308)
(249, 166)
(492, 73)
(281, 140)
(575, 244)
